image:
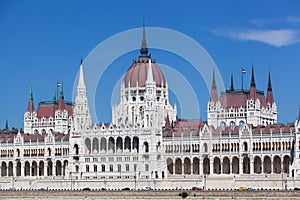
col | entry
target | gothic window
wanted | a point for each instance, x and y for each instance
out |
(232, 125)
(223, 125)
(242, 124)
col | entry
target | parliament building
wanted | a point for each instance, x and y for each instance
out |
(241, 144)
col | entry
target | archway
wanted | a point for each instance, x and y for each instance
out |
(127, 143)
(267, 165)
(217, 165)
(187, 166)
(235, 165)
(206, 166)
(178, 166)
(196, 162)
(226, 165)
(257, 165)
(41, 168)
(277, 165)
(88, 145)
(286, 164)
(34, 169)
(58, 168)
(246, 165)
(103, 146)
(95, 145)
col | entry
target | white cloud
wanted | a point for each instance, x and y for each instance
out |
(277, 38)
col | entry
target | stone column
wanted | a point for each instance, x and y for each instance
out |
(211, 166)
(241, 166)
(22, 169)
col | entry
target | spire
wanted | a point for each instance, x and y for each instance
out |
(6, 126)
(231, 83)
(252, 86)
(81, 84)
(269, 98)
(30, 105)
(144, 48)
(213, 92)
(30, 98)
(252, 77)
(269, 82)
(61, 93)
(61, 102)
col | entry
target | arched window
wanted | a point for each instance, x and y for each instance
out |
(223, 125)
(146, 146)
(232, 125)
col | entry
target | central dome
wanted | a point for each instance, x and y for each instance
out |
(138, 71)
(136, 75)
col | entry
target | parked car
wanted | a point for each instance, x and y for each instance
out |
(241, 189)
(196, 188)
(146, 188)
(127, 188)
(11, 189)
(103, 189)
(86, 189)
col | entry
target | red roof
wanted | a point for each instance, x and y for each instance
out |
(137, 73)
(48, 110)
(237, 99)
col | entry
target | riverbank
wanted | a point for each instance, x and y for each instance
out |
(265, 194)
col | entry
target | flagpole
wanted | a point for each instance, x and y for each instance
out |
(242, 80)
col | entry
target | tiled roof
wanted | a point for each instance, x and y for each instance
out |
(137, 73)
(47, 109)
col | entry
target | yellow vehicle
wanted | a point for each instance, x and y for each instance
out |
(241, 189)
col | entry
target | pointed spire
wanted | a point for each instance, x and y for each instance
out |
(6, 126)
(30, 98)
(252, 86)
(61, 102)
(252, 78)
(81, 84)
(30, 105)
(213, 86)
(61, 93)
(231, 83)
(213, 92)
(144, 48)
(269, 98)
(269, 82)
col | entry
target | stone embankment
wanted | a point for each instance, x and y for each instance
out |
(208, 193)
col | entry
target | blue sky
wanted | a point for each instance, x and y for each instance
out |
(42, 42)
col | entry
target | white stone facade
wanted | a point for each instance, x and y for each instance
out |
(152, 148)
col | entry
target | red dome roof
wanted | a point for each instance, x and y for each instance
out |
(137, 73)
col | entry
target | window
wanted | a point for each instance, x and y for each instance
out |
(127, 168)
(87, 168)
(134, 167)
(95, 168)
(103, 168)
(111, 168)
(232, 125)
(119, 168)
(146, 167)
